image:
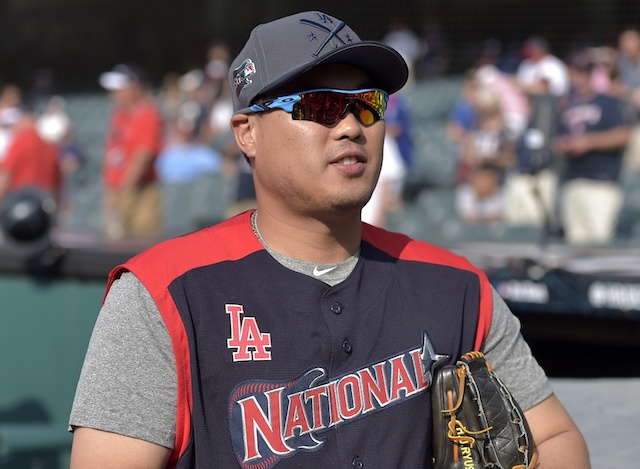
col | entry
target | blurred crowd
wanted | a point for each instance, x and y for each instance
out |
(546, 143)
(540, 140)
(157, 137)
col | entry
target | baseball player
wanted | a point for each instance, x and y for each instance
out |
(295, 335)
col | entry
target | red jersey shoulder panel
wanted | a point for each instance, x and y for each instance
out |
(158, 266)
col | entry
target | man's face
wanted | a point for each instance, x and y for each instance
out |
(310, 168)
(580, 80)
(630, 43)
(127, 96)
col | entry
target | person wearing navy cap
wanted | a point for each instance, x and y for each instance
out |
(295, 335)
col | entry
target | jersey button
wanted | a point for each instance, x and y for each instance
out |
(346, 346)
(336, 308)
(357, 463)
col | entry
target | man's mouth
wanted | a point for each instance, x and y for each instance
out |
(348, 161)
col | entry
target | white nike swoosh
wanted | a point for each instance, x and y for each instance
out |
(318, 272)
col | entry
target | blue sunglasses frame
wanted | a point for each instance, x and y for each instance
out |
(369, 102)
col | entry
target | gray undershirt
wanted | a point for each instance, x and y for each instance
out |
(128, 380)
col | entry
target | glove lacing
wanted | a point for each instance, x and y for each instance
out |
(458, 433)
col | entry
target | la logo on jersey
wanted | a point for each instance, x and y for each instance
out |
(248, 343)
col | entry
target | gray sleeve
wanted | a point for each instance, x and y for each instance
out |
(128, 380)
(511, 357)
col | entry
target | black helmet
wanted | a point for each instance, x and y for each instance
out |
(27, 215)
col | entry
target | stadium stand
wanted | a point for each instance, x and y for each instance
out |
(428, 211)
(431, 102)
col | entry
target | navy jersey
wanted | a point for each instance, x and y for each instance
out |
(599, 114)
(277, 369)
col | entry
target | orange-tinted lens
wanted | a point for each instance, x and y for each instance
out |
(328, 107)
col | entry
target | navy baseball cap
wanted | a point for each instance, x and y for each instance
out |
(281, 50)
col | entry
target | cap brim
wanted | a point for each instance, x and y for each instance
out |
(114, 81)
(386, 67)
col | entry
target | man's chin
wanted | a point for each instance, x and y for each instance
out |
(345, 207)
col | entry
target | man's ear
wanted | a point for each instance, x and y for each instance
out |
(242, 128)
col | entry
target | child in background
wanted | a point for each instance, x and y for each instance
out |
(485, 153)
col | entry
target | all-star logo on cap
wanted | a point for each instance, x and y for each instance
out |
(242, 74)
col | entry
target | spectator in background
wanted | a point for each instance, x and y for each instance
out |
(399, 120)
(481, 200)
(510, 57)
(488, 141)
(10, 96)
(194, 90)
(55, 126)
(436, 54)
(170, 97)
(594, 133)
(216, 68)
(485, 153)
(234, 166)
(387, 195)
(531, 183)
(10, 100)
(219, 134)
(628, 64)
(186, 158)
(402, 38)
(30, 161)
(541, 72)
(462, 118)
(7, 120)
(132, 204)
(43, 86)
(512, 101)
(605, 77)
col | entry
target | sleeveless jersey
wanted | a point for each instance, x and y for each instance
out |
(277, 369)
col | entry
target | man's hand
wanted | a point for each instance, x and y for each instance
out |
(572, 145)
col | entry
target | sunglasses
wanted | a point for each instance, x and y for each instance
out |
(328, 106)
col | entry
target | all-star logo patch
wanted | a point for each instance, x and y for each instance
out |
(271, 420)
(242, 75)
(325, 24)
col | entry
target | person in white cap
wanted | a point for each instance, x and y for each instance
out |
(541, 72)
(132, 205)
(29, 161)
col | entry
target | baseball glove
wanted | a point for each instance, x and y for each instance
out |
(477, 423)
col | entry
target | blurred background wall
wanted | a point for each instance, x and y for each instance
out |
(78, 39)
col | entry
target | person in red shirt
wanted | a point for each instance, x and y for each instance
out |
(132, 205)
(29, 160)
